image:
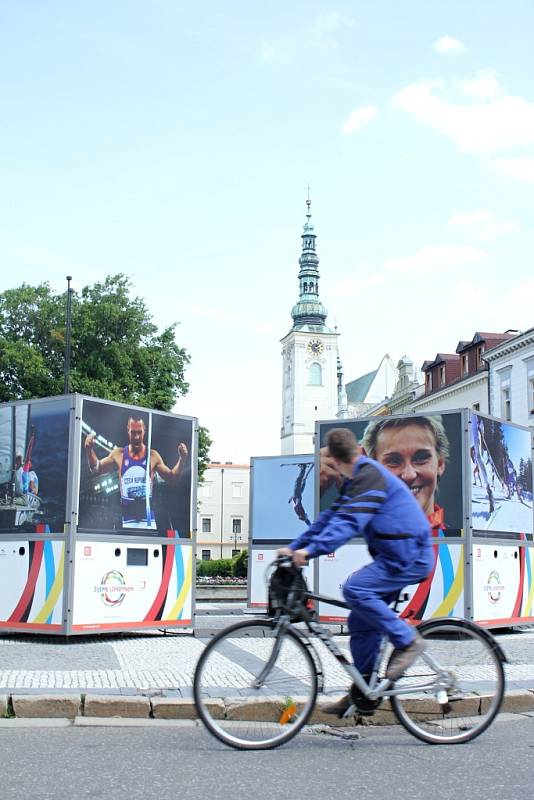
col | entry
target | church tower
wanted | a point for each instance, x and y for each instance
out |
(309, 354)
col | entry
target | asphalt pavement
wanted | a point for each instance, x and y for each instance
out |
(166, 761)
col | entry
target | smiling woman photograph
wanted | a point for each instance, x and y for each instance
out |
(417, 449)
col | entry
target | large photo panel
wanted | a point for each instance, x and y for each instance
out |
(424, 451)
(501, 476)
(34, 441)
(135, 471)
(282, 497)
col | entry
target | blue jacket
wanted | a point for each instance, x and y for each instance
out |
(378, 506)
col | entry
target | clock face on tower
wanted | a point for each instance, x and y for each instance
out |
(315, 347)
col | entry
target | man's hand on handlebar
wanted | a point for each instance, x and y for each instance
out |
(300, 557)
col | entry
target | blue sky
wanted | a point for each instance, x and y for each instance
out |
(173, 141)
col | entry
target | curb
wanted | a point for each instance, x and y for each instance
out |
(139, 707)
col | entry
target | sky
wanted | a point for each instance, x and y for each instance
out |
(173, 142)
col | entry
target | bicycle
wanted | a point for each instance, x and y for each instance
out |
(256, 683)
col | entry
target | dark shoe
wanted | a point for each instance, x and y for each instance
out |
(402, 659)
(339, 707)
(363, 706)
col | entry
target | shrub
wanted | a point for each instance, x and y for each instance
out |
(240, 565)
(218, 568)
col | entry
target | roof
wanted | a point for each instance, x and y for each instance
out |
(441, 358)
(490, 339)
(358, 389)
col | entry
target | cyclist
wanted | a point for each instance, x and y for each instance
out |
(377, 505)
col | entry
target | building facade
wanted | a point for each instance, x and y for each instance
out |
(460, 379)
(223, 511)
(511, 379)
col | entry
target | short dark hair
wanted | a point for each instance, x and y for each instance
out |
(342, 444)
(131, 418)
(432, 422)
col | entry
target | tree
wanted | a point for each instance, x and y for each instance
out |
(117, 352)
(204, 444)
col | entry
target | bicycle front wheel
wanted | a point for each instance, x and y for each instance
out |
(455, 688)
(254, 688)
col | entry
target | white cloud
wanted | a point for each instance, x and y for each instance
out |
(520, 169)
(483, 223)
(493, 122)
(493, 310)
(359, 119)
(448, 44)
(434, 258)
(485, 86)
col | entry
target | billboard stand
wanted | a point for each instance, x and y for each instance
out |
(110, 543)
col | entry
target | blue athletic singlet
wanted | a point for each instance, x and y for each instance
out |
(135, 503)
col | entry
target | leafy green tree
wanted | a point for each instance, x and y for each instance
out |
(204, 444)
(117, 352)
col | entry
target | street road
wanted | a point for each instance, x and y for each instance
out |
(166, 763)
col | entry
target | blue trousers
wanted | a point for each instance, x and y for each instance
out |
(368, 592)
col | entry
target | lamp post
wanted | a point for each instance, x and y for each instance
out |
(68, 331)
(236, 536)
(222, 508)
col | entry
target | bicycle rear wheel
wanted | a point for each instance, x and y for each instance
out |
(255, 689)
(461, 677)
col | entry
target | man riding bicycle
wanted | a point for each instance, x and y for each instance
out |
(374, 504)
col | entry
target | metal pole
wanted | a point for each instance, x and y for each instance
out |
(68, 331)
(222, 508)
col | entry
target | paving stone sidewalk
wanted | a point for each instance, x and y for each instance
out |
(142, 667)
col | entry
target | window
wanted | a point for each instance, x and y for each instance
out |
(206, 555)
(531, 396)
(505, 379)
(237, 490)
(428, 382)
(478, 357)
(465, 364)
(316, 374)
(207, 489)
(476, 406)
(442, 376)
(206, 524)
(235, 553)
(506, 403)
(236, 525)
(530, 386)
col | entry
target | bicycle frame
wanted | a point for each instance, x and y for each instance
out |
(373, 690)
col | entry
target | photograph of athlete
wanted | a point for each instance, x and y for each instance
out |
(136, 467)
(298, 490)
(415, 449)
(501, 485)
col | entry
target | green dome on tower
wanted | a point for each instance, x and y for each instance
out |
(308, 313)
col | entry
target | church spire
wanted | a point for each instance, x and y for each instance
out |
(342, 403)
(309, 313)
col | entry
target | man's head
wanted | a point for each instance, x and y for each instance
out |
(342, 445)
(136, 434)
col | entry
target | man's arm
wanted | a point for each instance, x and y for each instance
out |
(96, 465)
(164, 471)
(361, 499)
